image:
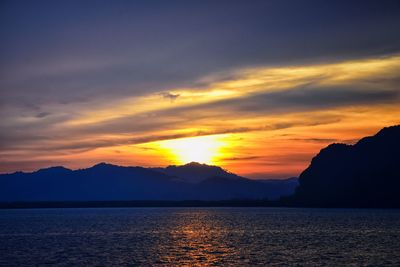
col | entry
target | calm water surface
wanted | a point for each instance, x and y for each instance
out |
(199, 236)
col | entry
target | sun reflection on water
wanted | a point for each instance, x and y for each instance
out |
(198, 239)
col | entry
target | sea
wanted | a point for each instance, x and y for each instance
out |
(199, 237)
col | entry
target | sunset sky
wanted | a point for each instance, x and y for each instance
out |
(256, 87)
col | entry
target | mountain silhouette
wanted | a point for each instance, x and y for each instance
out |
(194, 172)
(100, 182)
(107, 182)
(220, 188)
(366, 174)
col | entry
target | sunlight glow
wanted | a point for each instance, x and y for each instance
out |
(203, 149)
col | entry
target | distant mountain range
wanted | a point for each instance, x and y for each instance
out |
(195, 172)
(106, 182)
(366, 174)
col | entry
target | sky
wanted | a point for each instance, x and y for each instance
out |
(256, 87)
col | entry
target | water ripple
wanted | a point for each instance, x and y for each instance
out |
(199, 237)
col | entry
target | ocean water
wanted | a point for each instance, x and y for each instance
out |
(199, 237)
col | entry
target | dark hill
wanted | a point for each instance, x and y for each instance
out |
(366, 174)
(100, 182)
(221, 188)
(107, 182)
(194, 172)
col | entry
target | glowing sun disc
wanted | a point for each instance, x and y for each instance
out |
(203, 149)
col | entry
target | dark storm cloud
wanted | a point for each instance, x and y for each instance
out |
(42, 114)
(61, 59)
(308, 99)
(53, 51)
(291, 101)
(170, 96)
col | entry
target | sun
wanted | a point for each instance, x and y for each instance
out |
(203, 149)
